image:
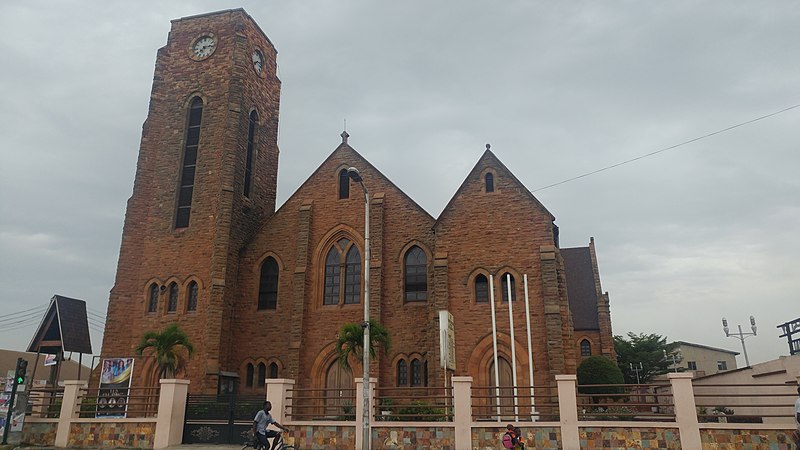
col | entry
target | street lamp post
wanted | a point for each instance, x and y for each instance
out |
(637, 369)
(352, 172)
(674, 362)
(741, 335)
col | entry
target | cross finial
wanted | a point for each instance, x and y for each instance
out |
(488, 146)
(344, 137)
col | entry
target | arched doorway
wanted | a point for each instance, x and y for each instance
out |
(506, 391)
(339, 392)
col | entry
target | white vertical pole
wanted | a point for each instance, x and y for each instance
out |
(494, 345)
(513, 346)
(530, 348)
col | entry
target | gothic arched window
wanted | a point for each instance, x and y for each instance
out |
(152, 301)
(504, 286)
(402, 373)
(268, 284)
(189, 164)
(586, 348)
(262, 374)
(248, 166)
(481, 289)
(191, 300)
(344, 184)
(416, 372)
(273, 370)
(415, 266)
(489, 180)
(342, 267)
(249, 379)
(172, 303)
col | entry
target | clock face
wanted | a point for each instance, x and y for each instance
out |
(258, 61)
(204, 46)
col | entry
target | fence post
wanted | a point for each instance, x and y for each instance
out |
(171, 413)
(462, 412)
(568, 411)
(360, 407)
(685, 409)
(69, 406)
(278, 395)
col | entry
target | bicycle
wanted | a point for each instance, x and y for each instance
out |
(254, 443)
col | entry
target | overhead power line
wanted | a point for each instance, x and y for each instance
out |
(669, 148)
(24, 312)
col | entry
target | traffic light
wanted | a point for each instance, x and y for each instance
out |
(22, 370)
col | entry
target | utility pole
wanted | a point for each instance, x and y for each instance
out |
(741, 335)
(637, 369)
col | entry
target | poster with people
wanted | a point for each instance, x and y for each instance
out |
(115, 381)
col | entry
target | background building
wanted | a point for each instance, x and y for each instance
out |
(705, 360)
(263, 293)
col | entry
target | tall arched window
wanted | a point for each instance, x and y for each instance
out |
(248, 166)
(262, 374)
(152, 301)
(249, 379)
(342, 267)
(481, 289)
(268, 284)
(189, 164)
(489, 179)
(273, 370)
(191, 297)
(172, 303)
(344, 184)
(416, 372)
(586, 348)
(504, 285)
(402, 373)
(352, 277)
(415, 266)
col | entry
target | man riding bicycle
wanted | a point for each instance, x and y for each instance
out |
(262, 420)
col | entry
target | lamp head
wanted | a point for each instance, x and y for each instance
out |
(753, 324)
(725, 325)
(354, 175)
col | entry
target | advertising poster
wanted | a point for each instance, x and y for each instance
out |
(115, 381)
(50, 360)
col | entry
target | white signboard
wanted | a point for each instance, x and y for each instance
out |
(447, 340)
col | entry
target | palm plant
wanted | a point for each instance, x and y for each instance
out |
(351, 341)
(166, 347)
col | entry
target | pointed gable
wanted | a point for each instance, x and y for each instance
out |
(64, 327)
(502, 178)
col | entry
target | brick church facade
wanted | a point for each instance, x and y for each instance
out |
(263, 293)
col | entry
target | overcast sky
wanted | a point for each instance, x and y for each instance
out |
(559, 89)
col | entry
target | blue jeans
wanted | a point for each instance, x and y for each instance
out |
(270, 434)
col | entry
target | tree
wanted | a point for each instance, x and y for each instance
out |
(168, 347)
(599, 370)
(647, 349)
(351, 341)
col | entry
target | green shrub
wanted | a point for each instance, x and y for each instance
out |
(599, 370)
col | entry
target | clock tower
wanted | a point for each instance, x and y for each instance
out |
(206, 179)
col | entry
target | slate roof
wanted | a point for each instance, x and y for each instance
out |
(64, 327)
(581, 290)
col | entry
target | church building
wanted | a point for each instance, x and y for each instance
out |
(262, 293)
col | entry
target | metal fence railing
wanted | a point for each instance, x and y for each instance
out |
(628, 402)
(745, 403)
(322, 404)
(135, 402)
(414, 404)
(521, 403)
(45, 402)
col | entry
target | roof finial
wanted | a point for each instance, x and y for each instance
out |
(488, 146)
(344, 137)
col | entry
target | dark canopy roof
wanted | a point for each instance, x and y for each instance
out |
(581, 288)
(64, 327)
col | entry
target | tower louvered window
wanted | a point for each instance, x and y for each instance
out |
(248, 167)
(189, 164)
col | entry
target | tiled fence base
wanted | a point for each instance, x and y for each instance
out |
(39, 433)
(322, 437)
(110, 434)
(718, 439)
(546, 438)
(412, 438)
(630, 438)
